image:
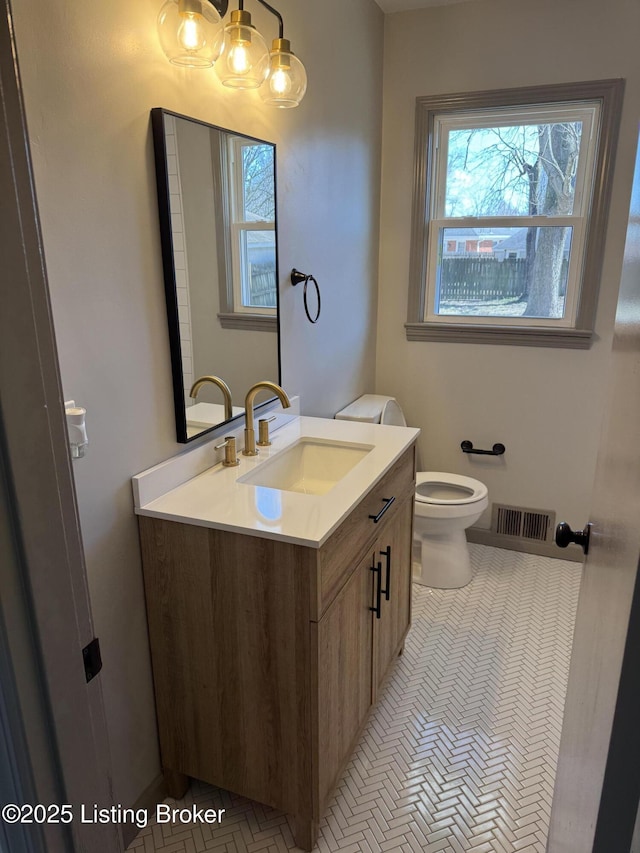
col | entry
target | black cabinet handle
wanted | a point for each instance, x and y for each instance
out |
(387, 504)
(377, 568)
(387, 553)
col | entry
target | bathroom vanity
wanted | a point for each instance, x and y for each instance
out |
(274, 615)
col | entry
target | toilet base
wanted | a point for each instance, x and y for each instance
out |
(444, 562)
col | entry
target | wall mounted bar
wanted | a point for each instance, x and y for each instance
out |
(496, 450)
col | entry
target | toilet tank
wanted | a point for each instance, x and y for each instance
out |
(373, 409)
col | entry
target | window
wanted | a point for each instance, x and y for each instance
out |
(244, 174)
(519, 180)
(253, 241)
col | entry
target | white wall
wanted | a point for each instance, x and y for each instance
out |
(543, 404)
(91, 74)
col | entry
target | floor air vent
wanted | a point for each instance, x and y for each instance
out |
(535, 524)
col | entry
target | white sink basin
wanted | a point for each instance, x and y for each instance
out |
(311, 466)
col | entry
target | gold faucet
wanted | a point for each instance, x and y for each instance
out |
(249, 431)
(222, 385)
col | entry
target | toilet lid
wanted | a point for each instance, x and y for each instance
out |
(436, 487)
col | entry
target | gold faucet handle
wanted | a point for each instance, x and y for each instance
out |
(263, 431)
(230, 458)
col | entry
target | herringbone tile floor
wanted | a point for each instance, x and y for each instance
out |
(460, 753)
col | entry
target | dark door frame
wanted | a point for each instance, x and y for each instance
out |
(47, 579)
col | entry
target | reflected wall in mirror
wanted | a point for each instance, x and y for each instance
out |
(217, 206)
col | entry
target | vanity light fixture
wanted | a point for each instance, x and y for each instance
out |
(188, 31)
(238, 51)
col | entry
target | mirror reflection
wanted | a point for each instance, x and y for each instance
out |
(217, 204)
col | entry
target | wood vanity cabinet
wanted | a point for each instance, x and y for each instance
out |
(267, 656)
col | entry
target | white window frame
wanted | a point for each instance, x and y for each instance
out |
(238, 226)
(233, 314)
(598, 105)
(588, 114)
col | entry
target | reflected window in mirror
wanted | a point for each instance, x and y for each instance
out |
(251, 178)
(217, 207)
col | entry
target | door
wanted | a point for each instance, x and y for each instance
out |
(344, 637)
(394, 552)
(43, 580)
(597, 782)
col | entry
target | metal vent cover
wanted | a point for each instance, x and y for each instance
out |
(522, 523)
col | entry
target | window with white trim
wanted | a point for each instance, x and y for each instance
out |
(246, 233)
(510, 204)
(252, 224)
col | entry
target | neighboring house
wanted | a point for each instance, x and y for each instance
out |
(512, 244)
(515, 246)
(470, 241)
(261, 244)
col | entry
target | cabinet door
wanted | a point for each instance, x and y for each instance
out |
(394, 552)
(344, 638)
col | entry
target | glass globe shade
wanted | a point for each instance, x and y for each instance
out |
(286, 82)
(243, 56)
(188, 31)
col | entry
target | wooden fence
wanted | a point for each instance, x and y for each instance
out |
(482, 279)
(486, 279)
(263, 285)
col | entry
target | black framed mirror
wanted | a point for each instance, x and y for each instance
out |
(217, 209)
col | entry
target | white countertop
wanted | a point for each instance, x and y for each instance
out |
(215, 499)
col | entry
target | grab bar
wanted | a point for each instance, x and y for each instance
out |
(496, 450)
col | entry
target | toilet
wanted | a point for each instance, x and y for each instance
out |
(445, 505)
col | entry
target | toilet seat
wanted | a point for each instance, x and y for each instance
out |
(445, 505)
(436, 488)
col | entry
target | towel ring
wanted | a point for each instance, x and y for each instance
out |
(296, 278)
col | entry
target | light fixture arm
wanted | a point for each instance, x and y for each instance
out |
(220, 6)
(277, 15)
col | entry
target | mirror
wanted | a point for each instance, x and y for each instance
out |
(217, 207)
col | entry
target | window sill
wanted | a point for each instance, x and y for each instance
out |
(249, 322)
(520, 337)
